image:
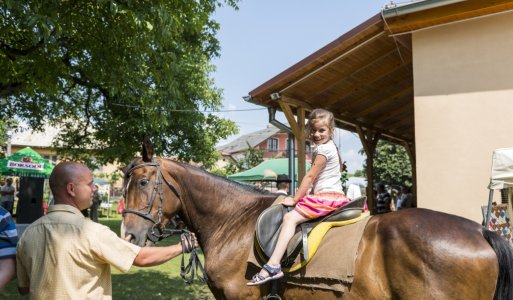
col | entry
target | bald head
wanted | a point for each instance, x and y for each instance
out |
(63, 174)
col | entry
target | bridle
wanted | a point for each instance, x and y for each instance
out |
(194, 266)
(155, 233)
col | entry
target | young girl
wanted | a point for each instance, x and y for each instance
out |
(327, 196)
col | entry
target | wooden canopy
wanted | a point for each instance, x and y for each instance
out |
(365, 77)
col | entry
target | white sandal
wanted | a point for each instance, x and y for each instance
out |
(274, 273)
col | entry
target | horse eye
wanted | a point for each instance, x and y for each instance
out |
(143, 182)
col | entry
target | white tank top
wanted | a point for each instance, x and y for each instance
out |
(328, 179)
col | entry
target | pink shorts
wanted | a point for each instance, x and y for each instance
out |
(317, 205)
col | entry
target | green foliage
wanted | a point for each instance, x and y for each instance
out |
(251, 158)
(344, 175)
(112, 177)
(392, 165)
(109, 72)
(219, 172)
(359, 173)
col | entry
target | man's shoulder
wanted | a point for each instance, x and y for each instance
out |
(7, 188)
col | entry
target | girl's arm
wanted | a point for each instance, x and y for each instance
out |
(318, 164)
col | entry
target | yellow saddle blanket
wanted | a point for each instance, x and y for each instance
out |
(332, 266)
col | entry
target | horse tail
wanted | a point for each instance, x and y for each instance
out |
(504, 252)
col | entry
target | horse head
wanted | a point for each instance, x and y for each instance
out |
(151, 199)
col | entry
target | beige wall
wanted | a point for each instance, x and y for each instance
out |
(463, 82)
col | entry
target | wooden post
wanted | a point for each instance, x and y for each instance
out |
(301, 144)
(298, 129)
(369, 141)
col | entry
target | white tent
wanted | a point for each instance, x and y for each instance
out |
(501, 175)
(502, 169)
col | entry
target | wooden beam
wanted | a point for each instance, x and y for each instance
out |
(399, 110)
(290, 117)
(296, 102)
(373, 61)
(406, 82)
(383, 101)
(369, 81)
(298, 129)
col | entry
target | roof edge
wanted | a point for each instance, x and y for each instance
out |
(312, 57)
(397, 9)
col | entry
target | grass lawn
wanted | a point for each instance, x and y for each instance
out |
(159, 282)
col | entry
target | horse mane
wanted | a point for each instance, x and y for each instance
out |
(246, 187)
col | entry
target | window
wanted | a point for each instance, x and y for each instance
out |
(272, 145)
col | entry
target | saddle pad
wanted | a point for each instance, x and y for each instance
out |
(315, 238)
(332, 267)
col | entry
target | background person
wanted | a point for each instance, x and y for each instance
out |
(282, 183)
(96, 204)
(353, 191)
(64, 255)
(405, 200)
(383, 200)
(7, 191)
(8, 240)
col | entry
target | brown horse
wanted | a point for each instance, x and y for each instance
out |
(410, 254)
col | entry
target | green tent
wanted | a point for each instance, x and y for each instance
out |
(26, 163)
(266, 170)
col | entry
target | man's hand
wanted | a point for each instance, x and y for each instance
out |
(288, 201)
(189, 242)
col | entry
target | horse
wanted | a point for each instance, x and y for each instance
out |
(408, 254)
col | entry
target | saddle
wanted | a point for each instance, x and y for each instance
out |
(268, 228)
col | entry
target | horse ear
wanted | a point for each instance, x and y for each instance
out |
(147, 150)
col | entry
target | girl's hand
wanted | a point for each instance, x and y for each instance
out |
(288, 201)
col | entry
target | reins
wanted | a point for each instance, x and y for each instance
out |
(194, 266)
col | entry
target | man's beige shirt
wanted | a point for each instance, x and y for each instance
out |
(66, 256)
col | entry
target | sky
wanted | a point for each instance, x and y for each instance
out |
(264, 38)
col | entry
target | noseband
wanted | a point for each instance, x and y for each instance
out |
(155, 233)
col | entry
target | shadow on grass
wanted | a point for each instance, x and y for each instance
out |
(156, 285)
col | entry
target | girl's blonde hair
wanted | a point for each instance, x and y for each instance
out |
(320, 115)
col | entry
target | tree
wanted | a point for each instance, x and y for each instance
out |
(7, 127)
(359, 173)
(109, 72)
(391, 165)
(251, 158)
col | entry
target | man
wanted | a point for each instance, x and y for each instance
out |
(405, 200)
(7, 192)
(383, 200)
(282, 183)
(96, 203)
(8, 240)
(64, 255)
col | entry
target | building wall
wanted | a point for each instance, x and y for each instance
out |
(282, 147)
(463, 85)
